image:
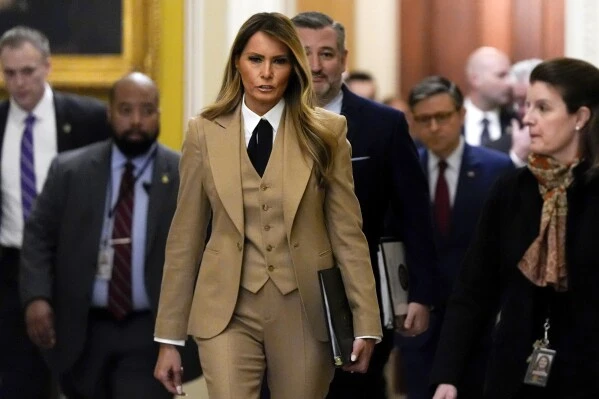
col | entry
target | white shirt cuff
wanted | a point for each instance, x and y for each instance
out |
(170, 341)
(516, 160)
(377, 339)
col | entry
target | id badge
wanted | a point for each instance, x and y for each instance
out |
(105, 257)
(539, 367)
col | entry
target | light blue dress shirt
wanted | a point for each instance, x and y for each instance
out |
(143, 164)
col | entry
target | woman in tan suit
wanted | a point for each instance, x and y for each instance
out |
(273, 174)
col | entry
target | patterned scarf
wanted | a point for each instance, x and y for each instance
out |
(544, 262)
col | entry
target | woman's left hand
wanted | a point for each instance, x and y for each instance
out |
(361, 354)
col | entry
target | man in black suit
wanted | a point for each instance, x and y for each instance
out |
(490, 120)
(460, 177)
(93, 252)
(36, 124)
(386, 172)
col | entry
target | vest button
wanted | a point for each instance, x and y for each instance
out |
(239, 246)
(271, 268)
(265, 207)
(263, 187)
(267, 227)
(269, 248)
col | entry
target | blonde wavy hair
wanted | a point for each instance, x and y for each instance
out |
(316, 140)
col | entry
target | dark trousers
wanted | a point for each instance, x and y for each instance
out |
(117, 361)
(372, 384)
(23, 372)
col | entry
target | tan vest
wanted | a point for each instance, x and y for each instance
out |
(266, 254)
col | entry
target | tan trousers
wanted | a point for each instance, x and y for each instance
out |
(268, 331)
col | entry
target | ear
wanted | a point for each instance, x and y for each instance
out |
(582, 117)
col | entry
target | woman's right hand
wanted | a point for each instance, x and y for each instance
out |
(446, 391)
(168, 369)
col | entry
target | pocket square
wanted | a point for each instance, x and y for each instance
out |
(359, 159)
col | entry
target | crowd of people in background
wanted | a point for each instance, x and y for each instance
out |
(114, 250)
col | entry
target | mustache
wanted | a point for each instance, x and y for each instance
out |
(318, 75)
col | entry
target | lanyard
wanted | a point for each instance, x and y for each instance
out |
(132, 187)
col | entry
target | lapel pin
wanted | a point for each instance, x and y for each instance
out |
(470, 173)
(66, 128)
(164, 179)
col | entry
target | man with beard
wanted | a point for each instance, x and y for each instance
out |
(386, 173)
(93, 252)
(36, 123)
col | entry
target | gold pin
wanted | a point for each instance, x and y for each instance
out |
(165, 179)
(66, 128)
(470, 173)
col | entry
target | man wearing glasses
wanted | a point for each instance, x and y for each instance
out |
(459, 177)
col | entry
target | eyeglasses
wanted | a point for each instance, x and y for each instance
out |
(440, 118)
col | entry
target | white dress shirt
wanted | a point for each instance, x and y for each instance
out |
(250, 119)
(336, 103)
(45, 148)
(473, 126)
(452, 172)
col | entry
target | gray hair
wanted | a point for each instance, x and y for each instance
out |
(19, 35)
(521, 70)
(318, 20)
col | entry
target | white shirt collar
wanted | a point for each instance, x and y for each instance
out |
(273, 116)
(43, 108)
(454, 160)
(473, 113)
(335, 104)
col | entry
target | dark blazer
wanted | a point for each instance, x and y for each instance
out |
(480, 168)
(504, 143)
(490, 281)
(61, 240)
(386, 172)
(79, 121)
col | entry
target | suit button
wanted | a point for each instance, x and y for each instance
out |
(271, 268)
(239, 246)
(267, 227)
(265, 207)
(269, 248)
(295, 244)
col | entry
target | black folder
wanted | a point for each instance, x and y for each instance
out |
(338, 315)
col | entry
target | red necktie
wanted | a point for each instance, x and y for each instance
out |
(442, 207)
(120, 301)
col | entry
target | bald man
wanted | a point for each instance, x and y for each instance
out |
(489, 119)
(93, 251)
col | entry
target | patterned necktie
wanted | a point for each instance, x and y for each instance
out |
(260, 146)
(120, 301)
(442, 206)
(28, 190)
(485, 136)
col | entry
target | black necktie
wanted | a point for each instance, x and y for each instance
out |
(260, 146)
(485, 136)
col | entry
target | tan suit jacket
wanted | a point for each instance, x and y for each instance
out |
(323, 228)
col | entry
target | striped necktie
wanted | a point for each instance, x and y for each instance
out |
(28, 190)
(120, 301)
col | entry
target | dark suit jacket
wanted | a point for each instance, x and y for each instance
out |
(490, 280)
(79, 121)
(504, 143)
(62, 236)
(480, 168)
(386, 172)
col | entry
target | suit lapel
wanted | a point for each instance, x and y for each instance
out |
(223, 141)
(297, 170)
(351, 110)
(97, 181)
(63, 126)
(160, 189)
(467, 184)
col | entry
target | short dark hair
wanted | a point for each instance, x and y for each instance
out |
(318, 20)
(432, 86)
(19, 35)
(577, 82)
(361, 76)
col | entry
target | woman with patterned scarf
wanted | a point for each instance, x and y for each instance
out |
(533, 265)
